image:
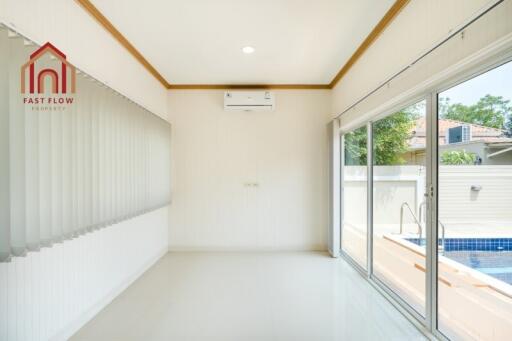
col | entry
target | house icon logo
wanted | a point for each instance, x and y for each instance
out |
(58, 76)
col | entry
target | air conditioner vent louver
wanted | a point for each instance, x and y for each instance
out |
(249, 100)
(458, 134)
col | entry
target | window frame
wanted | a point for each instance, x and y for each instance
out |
(427, 324)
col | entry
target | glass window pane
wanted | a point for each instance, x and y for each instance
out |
(475, 208)
(399, 178)
(354, 226)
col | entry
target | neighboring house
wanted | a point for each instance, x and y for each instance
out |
(490, 145)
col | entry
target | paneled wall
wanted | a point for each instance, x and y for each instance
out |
(48, 294)
(249, 180)
(488, 206)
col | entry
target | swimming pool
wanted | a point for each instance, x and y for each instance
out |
(491, 256)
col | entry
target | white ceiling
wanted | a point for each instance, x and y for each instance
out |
(200, 41)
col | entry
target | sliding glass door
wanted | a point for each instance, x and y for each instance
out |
(474, 282)
(399, 206)
(428, 187)
(354, 200)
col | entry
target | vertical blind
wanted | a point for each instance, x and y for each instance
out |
(76, 169)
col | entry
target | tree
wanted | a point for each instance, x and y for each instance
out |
(508, 126)
(489, 111)
(355, 147)
(458, 157)
(390, 138)
(391, 135)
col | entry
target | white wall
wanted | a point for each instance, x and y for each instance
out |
(393, 185)
(52, 292)
(460, 208)
(459, 204)
(87, 45)
(217, 152)
(417, 28)
(420, 26)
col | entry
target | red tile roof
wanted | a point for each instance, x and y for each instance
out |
(478, 132)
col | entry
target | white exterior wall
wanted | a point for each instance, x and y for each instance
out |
(393, 185)
(481, 149)
(458, 203)
(460, 208)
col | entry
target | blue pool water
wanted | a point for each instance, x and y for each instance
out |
(491, 256)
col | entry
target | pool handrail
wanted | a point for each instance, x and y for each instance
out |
(420, 228)
(443, 228)
(423, 204)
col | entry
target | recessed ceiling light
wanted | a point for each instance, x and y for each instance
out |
(248, 50)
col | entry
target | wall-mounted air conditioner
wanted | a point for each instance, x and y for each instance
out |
(249, 100)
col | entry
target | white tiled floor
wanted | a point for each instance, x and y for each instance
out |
(249, 296)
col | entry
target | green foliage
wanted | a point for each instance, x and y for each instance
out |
(391, 135)
(355, 147)
(390, 138)
(458, 157)
(489, 111)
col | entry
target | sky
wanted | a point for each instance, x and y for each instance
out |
(497, 82)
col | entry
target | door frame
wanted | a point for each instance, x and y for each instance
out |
(433, 159)
(428, 324)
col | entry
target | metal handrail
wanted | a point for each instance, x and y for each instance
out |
(420, 228)
(443, 228)
(423, 204)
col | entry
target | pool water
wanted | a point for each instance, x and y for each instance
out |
(491, 256)
(495, 264)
